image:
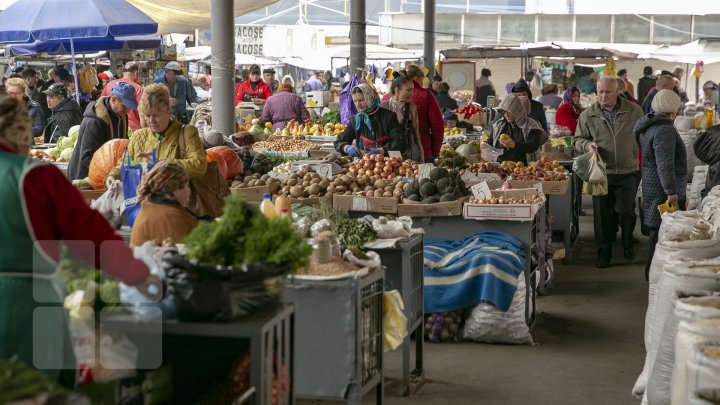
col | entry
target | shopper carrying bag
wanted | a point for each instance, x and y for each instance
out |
(208, 191)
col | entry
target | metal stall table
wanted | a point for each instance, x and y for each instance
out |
(457, 227)
(339, 336)
(404, 272)
(566, 212)
(270, 335)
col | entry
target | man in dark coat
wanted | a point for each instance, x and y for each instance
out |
(537, 111)
(31, 83)
(104, 119)
(646, 83)
(65, 113)
(443, 97)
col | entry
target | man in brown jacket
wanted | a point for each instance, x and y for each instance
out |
(607, 127)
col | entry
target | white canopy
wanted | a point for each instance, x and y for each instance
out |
(372, 52)
(706, 50)
(203, 54)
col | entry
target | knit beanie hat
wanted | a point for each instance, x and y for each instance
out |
(515, 106)
(666, 101)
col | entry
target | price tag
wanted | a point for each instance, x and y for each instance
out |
(469, 177)
(395, 153)
(359, 204)
(481, 191)
(538, 187)
(324, 170)
(424, 170)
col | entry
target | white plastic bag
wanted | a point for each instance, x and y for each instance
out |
(373, 261)
(582, 165)
(597, 171)
(137, 303)
(111, 203)
(118, 358)
(679, 276)
(488, 324)
(386, 229)
(394, 320)
(685, 309)
(490, 154)
(689, 335)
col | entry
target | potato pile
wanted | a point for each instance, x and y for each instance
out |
(535, 171)
(486, 167)
(304, 185)
(537, 199)
(256, 180)
(382, 167)
(286, 145)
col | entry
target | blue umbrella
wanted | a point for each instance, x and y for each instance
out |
(42, 20)
(62, 46)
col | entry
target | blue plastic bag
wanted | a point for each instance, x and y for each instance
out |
(131, 176)
(346, 104)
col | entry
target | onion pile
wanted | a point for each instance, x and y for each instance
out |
(486, 167)
(442, 326)
(381, 167)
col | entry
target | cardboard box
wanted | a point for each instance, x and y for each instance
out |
(254, 194)
(309, 200)
(505, 212)
(548, 187)
(443, 209)
(125, 391)
(475, 119)
(383, 205)
(317, 98)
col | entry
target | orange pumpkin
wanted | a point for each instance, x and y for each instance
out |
(234, 164)
(104, 160)
(211, 156)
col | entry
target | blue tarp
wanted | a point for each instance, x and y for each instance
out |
(484, 267)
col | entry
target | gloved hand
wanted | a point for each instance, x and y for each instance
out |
(353, 151)
(375, 151)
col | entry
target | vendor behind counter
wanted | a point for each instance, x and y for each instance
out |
(517, 134)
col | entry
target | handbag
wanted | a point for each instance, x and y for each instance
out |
(131, 176)
(208, 192)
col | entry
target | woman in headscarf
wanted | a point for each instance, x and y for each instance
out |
(569, 111)
(164, 192)
(373, 129)
(401, 103)
(516, 133)
(40, 212)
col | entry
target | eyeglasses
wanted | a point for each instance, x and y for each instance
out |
(12, 93)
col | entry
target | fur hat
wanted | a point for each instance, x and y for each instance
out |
(666, 101)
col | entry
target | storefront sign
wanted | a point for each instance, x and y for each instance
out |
(249, 40)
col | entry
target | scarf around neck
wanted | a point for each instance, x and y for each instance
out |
(372, 101)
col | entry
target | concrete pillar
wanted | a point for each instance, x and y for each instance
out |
(357, 36)
(222, 29)
(429, 40)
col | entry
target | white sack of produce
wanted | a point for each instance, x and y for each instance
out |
(689, 336)
(688, 138)
(704, 373)
(111, 203)
(682, 273)
(488, 324)
(685, 309)
(694, 194)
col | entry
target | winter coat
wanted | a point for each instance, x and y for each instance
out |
(36, 115)
(707, 149)
(537, 110)
(99, 125)
(132, 115)
(445, 101)
(41, 99)
(283, 107)
(245, 92)
(567, 117)
(645, 84)
(183, 91)
(386, 133)
(408, 118)
(618, 147)
(524, 144)
(161, 218)
(483, 89)
(647, 103)
(168, 148)
(65, 116)
(664, 164)
(432, 128)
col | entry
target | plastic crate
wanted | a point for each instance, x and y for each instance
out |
(339, 337)
(404, 272)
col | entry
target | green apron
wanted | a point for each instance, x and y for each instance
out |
(33, 321)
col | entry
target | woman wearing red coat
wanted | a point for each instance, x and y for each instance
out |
(569, 111)
(431, 126)
(253, 90)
